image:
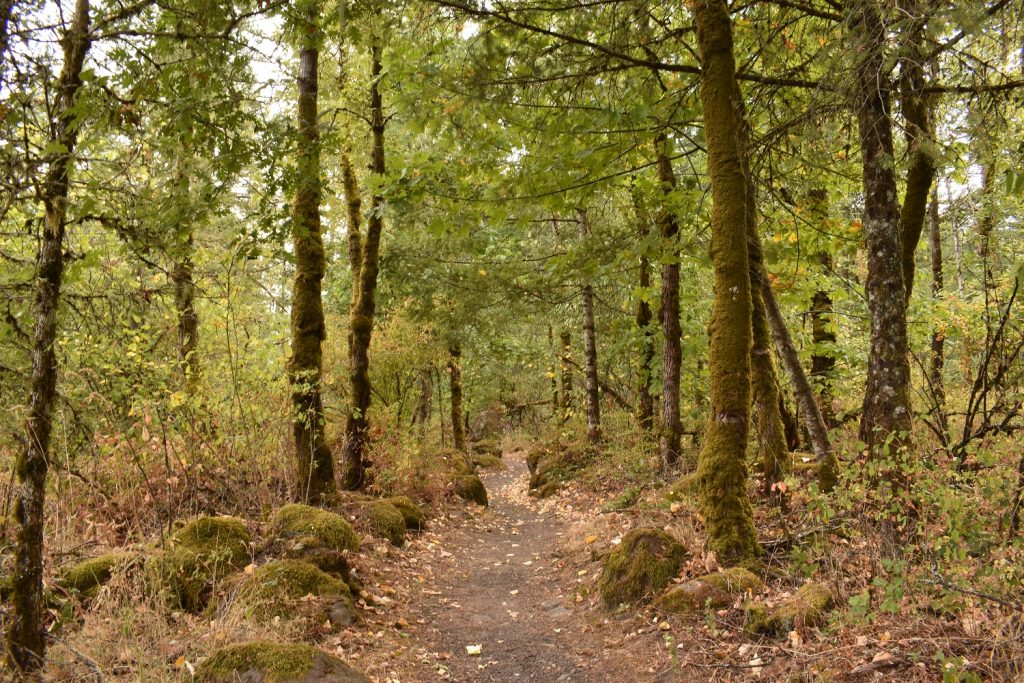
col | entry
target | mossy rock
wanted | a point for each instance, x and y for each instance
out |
(547, 490)
(200, 553)
(488, 462)
(86, 577)
(487, 447)
(386, 521)
(265, 662)
(712, 590)
(308, 549)
(683, 488)
(413, 515)
(806, 609)
(534, 457)
(457, 462)
(331, 529)
(641, 566)
(282, 588)
(469, 487)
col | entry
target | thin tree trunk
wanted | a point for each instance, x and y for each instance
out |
(566, 373)
(357, 425)
(553, 373)
(886, 414)
(26, 636)
(937, 360)
(455, 387)
(593, 389)
(422, 413)
(722, 466)
(6, 10)
(823, 335)
(672, 354)
(644, 317)
(314, 462)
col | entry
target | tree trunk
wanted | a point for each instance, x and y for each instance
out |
(6, 10)
(422, 413)
(886, 414)
(455, 386)
(823, 334)
(357, 426)
(565, 403)
(590, 351)
(314, 462)
(672, 354)
(26, 636)
(920, 135)
(644, 317)
(722, 466)
(553, 373)
(937, 360)
(188, 318)
(814, 422)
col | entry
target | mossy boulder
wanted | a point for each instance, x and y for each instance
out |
(199, 554)
(534, 457)
(546, 490)
(712, 590)
(488, 462)
(413, 515)
(86, 577)
(487, 447)
(641, 566)
(292, 589)
(683, 488)
(386, 521)
(331, 530)
(265, 662)
(469, 487)
(806, 609)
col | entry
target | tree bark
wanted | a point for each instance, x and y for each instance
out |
(553, 373)
(672, 354)
(644, 317)
(722, 466)
(886, 413)
(26, 636)
(422, 413)
(590, 350)
(455, 387)
(920, 135)
(565, 403)
(357, 425)
(314, 462)
(823, 334)
(937, 359)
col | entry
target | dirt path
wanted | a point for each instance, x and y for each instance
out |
(499, 581)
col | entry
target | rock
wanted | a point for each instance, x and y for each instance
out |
(487, 447)
(546, 490)
(386, 521)
(469, 487)
(411, 512)
(331, 530)
(712, 590)
(292, 589)
(488, 462)
(86, 577)
(642, 565)
(199, 554)
(683, 488)
(534, 457)
(457, 462)
(806, 609)
(265, 662)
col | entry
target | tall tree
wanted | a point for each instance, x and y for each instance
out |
(672, 352)
(722, 466)
(455, 389)
(593, 391)
(314, 462)
(644, 318)
(26, 636)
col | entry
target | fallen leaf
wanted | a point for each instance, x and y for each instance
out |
(474, 650)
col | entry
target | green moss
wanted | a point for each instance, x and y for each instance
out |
(469, 487)
(682, 489)
(488, 462)
(547, 490)
(756, 617)
(735, 580)
(386, 521)
(332, 530)
(200, 553)
(282, 580)
(87, 576)
(806, 609)
(411, 512)
(275, 663)
(640, 566)
(534, 457)
(487, 447)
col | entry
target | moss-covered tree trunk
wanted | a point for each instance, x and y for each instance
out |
(26, 635)
(591, 383)
(919, 129)
(886, 413)
(553, 372)
(672, 352)
(823, 335)
(455, 389)
(357, 425)
(421, 415)
(314, 463)
(565, 400)
(644, 318)
(722, 466)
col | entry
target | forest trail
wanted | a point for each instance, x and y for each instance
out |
(500, 581)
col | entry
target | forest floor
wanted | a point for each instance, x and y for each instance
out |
(502, 595)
